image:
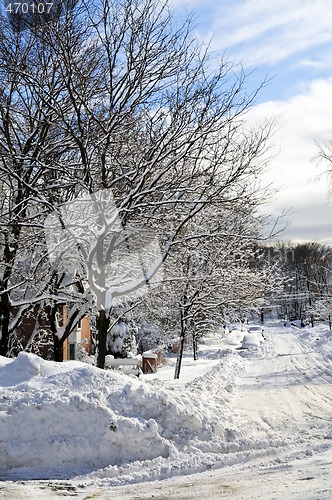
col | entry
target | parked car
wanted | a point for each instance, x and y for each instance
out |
(250, 340)
(234, 327)
(231, 328)
(256, 329)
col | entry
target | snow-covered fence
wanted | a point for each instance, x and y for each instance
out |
(129, 366)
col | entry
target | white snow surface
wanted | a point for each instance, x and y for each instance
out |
(254, 423)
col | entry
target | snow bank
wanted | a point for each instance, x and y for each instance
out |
(72, 419)
(62, 419)
(319, 338)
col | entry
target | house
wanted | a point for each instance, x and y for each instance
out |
(36, 326)
(80, 338)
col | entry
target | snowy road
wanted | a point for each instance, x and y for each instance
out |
(289, 393)
(283, 406)
(285, 396)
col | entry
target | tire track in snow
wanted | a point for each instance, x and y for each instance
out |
(287, 395)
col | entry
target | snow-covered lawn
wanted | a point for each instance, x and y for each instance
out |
(238, 424)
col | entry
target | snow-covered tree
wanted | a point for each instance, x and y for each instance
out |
(209, 276)
(307, 269)
(324, 162)
(121, 340)
(34, 158)
(115, 105)
(217, 276)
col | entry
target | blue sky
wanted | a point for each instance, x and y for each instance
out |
(291, 41)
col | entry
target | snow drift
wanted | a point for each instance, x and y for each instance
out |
(61, 419)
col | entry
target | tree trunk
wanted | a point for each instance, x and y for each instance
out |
(103, 323)
(179, 358)
(182, 339)
(195, 347)
(51, 312)
(4, 324)
(58, 349)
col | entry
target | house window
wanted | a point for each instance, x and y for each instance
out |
(71, 351)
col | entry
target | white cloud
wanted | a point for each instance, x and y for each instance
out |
(260, 32)
(302, 120)
(297, 35)
(318, 61)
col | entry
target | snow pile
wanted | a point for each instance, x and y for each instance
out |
(62, 419)
(235, 337)
(264, 409)
(319, 339)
